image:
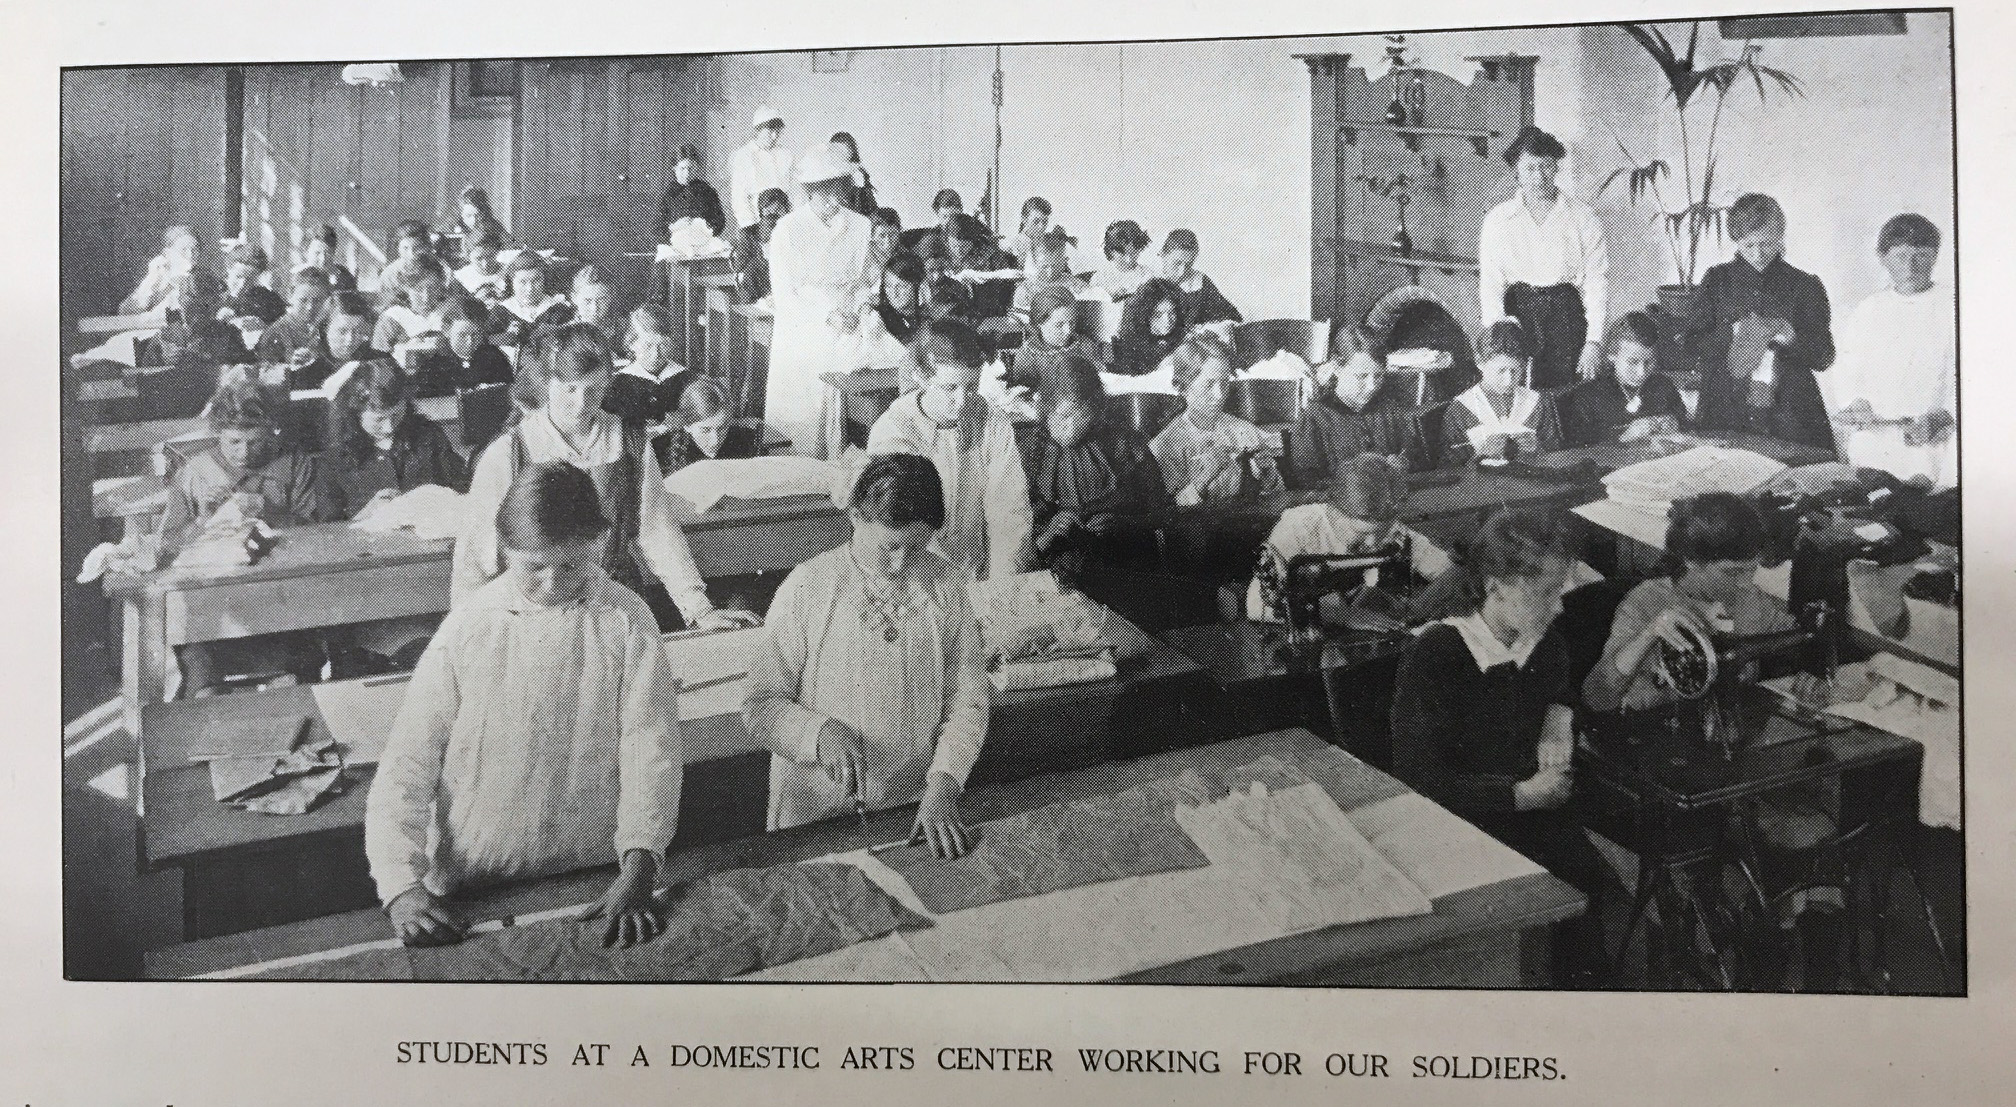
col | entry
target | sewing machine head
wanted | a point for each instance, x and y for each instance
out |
(1377, 584)
(1712, 673)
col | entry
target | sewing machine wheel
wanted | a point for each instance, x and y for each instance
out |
(1691, 671)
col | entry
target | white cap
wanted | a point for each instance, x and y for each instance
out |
(821, 164)
(766, 114)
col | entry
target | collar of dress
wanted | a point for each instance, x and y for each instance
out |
(1486, 648)
(1524, 400)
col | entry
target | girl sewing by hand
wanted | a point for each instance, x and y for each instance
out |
(1207, 454)
(1499, 417)
(870, 685)
(1633, 401)
(539, 735)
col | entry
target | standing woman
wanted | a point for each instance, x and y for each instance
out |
(1542, 259)
(861, 197)
(818, 277)
(870, 687)
(1760, 329)
(563, 375)
(473, 217)
(761, 164)
(689, 197)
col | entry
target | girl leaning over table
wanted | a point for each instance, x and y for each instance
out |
(870, 684)
(539, 735)
(562, 377)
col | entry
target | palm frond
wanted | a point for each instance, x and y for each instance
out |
(1638, 179)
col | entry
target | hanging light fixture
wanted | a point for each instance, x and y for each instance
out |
(375, 74)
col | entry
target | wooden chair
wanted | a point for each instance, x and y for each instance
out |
(1265, 402)
(1260, 339)
(1146, 412)
(483, 412)
(1425, 429)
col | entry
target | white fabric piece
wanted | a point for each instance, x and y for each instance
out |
(1652, 486)
(1054, 672)
(430, 511)
(1161, 380)
(1516, 424)
(706, 483)
(1439, 852)
(1285, 365)
(708, 659)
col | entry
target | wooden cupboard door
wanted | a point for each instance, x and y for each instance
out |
(402, 156)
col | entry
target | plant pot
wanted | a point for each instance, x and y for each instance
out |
(1677, 300)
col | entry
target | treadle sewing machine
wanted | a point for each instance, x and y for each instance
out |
(1712, 674)
(1372, 589)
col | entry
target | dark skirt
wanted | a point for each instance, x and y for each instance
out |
(1557, 327)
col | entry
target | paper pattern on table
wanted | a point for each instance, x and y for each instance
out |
(706, 483)
(359, 714)
(1652, 486)
(1439, 852)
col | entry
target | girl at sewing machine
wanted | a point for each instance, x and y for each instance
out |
(1633, 400)
(646, 391)
(1499, 417)
(1152, 326)
(1095, 490)
(1207, 455)
(1358, 515)
(1715, 543)
(986, 530)
(252, 473)
(539, 735)
(869, 686)
(1483, 716)
(705, 431)
(562, 378)
(1353, 413)
(1202, 302)
(528, 306)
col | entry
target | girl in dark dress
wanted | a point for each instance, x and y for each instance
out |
(646, 392)
(1095, 489)
(705, 432)
(1630, 402)
(383, 446)
(1751, 306)
(1202, 302)
(1483, 716)
(528, 307)
(1151, 327)
(1354, 413)
(689, 197)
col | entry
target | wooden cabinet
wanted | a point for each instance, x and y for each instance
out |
(143, 149)
(1450, 148)
(359, 158)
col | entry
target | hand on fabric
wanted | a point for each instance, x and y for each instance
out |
(843, 322)
(844, 755)
(727, 618)
(628, 904)
(938, 817)
(1591, 361)
(421, 918)
(1548, 788)
(1495, 446)
(1856, 415)
(1558, 751)
(1649, 426)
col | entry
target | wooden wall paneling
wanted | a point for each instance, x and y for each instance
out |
(93, 182)
(195, 107)
(380, 202)
(533, 180)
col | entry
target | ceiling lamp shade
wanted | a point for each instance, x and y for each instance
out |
(375, 74)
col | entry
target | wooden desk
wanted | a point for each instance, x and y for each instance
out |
(243, 870)
(750, 328)
(685, 302)
(135, 501)
(113, 324)
(329, 574)
(863, 395)
(760, 536)
(1478, 937)
(1612, 456)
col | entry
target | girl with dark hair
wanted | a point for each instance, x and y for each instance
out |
(1483, 716)
(473, 216)
(1052, 334)
(1033, 225)
(690, 197)
(528, 307)
(1152, 326)
(562, 378)
(1894, 393)
(539, 735)
(247, 303)
(1499, 416)
(1542, 259)
(1759, 330)
(752, 243)
(1353, 413)
(705, 431)
(318, 254)
(1202, 302)
(1124, 273)
(1631, 402)
(383, 447)
(347, 322)
(1095, 490)
(988, 272)
(870, 687)
(467, 359)
(861, 197)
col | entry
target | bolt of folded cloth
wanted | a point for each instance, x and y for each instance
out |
(1039, 635)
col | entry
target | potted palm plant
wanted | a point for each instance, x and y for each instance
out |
(1698, 220)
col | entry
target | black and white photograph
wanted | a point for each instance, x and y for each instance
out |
(847, 516)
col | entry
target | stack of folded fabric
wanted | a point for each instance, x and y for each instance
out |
(1038, 635)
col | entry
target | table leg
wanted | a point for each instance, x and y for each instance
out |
(144, 650)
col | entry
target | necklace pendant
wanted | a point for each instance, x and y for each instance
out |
(889, 634)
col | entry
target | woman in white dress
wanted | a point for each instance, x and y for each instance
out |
(1893, 390)
(819, 275)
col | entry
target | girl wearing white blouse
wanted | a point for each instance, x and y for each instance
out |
(539, 735)
(562, 377)
(1893, 388)
(1543, 260)
(870, 687)
(1207, 455)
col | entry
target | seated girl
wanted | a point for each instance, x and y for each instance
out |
(1483, 716)
(752, 248)
(1202, 302)
(1035, 223)
(1049, 267)
(881, 337)
(346, 328)
(988, 273)
(646, 392)
(482, 276)
(411, 241)
(300, 329)
(706, 430)
(1352, 414)
(1152, 326)
(410, 326)
(251, 470)
(1207, 455)
(1631, 402)
(1499, 417)
(1095, 490)
(1124, 273)
(1359, 515)
(885, 238)
(181, 256)
(1715, 543)
(1052, 335)
(190, 353)
(594, 299)
(474, 218)
(539, 735)
(562, 378)
(943, 418)
(869, 686)
(249, 305)
(528, 306)
(467, 359)
(318, 255)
